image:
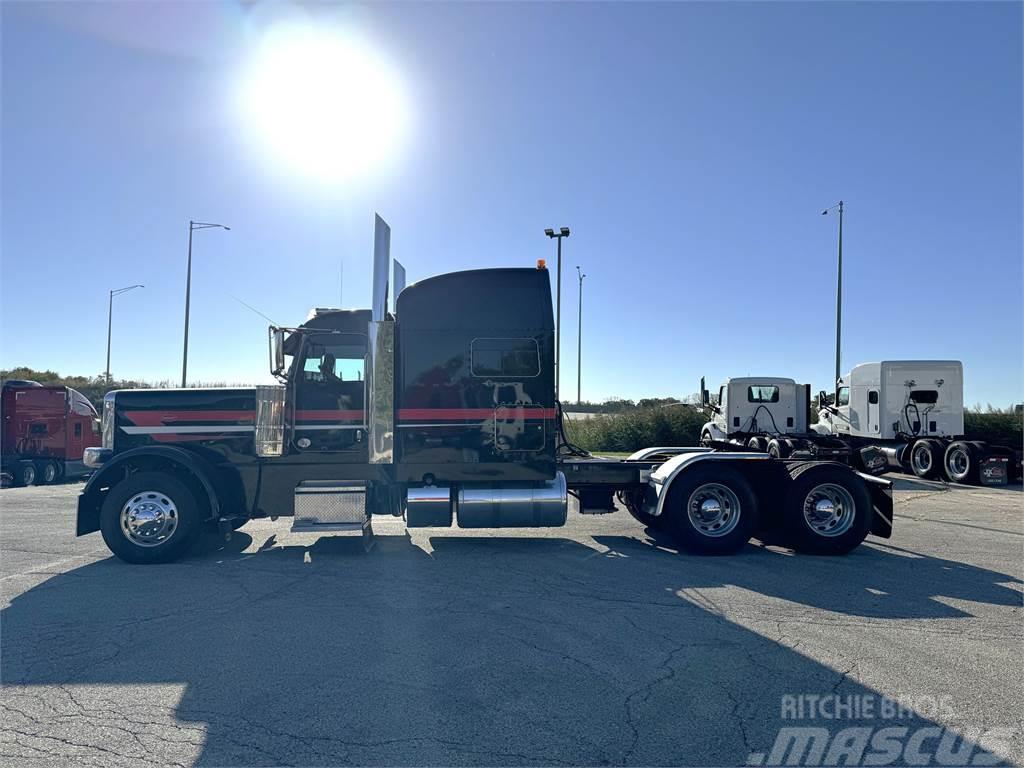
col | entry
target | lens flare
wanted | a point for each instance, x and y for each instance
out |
(324, 103)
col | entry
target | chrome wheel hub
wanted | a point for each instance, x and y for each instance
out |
(922, 459)
(829, 510)
(958, 462)
(713, 509)
(148, 519)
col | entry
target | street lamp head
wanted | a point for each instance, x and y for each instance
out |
(549, 232)
(565, 231)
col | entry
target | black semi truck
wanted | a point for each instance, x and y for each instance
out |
(442, 411)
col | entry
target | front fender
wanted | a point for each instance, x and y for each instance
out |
(90, 501)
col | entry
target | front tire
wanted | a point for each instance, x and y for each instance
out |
(828, 510)
(152, 517)
(711, 510)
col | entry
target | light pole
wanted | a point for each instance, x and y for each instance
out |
(110, 316)
(579, 342)
(562, 232)
(839, 288)
(192, 227)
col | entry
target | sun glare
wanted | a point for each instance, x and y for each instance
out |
(325, 104)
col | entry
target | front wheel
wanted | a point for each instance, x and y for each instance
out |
(711, 510)
(152, 517)
(828, 510)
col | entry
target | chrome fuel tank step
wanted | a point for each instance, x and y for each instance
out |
(329, 506)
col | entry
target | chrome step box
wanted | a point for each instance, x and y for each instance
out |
(329, 506)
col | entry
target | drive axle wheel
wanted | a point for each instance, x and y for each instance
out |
(961, 462)
(756, 444)
(711, 510)
(25, 474)
(926, 459)
(828, 510)
(152, 517)
(779, 449)
(48, 473)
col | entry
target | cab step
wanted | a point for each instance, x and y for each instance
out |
(329, 506)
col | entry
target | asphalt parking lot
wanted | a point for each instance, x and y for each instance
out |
(589, 645)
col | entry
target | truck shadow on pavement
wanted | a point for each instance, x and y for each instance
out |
(464, 650)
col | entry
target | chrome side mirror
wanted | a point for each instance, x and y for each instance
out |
(276, 351)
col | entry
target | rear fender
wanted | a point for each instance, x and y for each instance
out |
(881, 501)
(90, 501)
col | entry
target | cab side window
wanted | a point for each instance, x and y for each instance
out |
(505, 358)
(844, 396)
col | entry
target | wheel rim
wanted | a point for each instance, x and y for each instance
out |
(149, 518)
(50, 473)
(829, 510)
(714, 510)
(28, 475)
(922, 459)
(958, 462)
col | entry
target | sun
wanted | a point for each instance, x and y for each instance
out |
(324, 103)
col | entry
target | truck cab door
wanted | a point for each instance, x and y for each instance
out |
(872, 425)
(842, 412)
(329, 393)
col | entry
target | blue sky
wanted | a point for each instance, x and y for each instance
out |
(690, 147)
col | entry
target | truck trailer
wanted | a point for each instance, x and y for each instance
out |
(45, 431)
(442, 411)
(912, 412)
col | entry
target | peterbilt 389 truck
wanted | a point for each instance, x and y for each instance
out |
(443, 412)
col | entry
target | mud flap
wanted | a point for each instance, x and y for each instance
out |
(881, 502)
(994, 470)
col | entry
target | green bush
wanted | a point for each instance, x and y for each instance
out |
(680, 426)
(999, 427)
(636, 429)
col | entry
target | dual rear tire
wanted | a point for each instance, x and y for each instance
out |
(714, 511)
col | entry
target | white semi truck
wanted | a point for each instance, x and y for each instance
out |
(768, 414)
(913, 412)
(905, 415)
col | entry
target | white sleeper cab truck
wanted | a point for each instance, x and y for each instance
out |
(766, 414)
(913, 411)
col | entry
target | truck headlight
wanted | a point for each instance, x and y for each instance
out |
(107, 425)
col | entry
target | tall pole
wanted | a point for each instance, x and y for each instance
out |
(558, 321)
(579, 342)
(188, 296)
(192, 227)
(110, 314)
(839, 295)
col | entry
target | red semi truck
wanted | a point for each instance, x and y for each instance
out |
(44, 431)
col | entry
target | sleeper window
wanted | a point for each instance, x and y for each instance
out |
(508, 358)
